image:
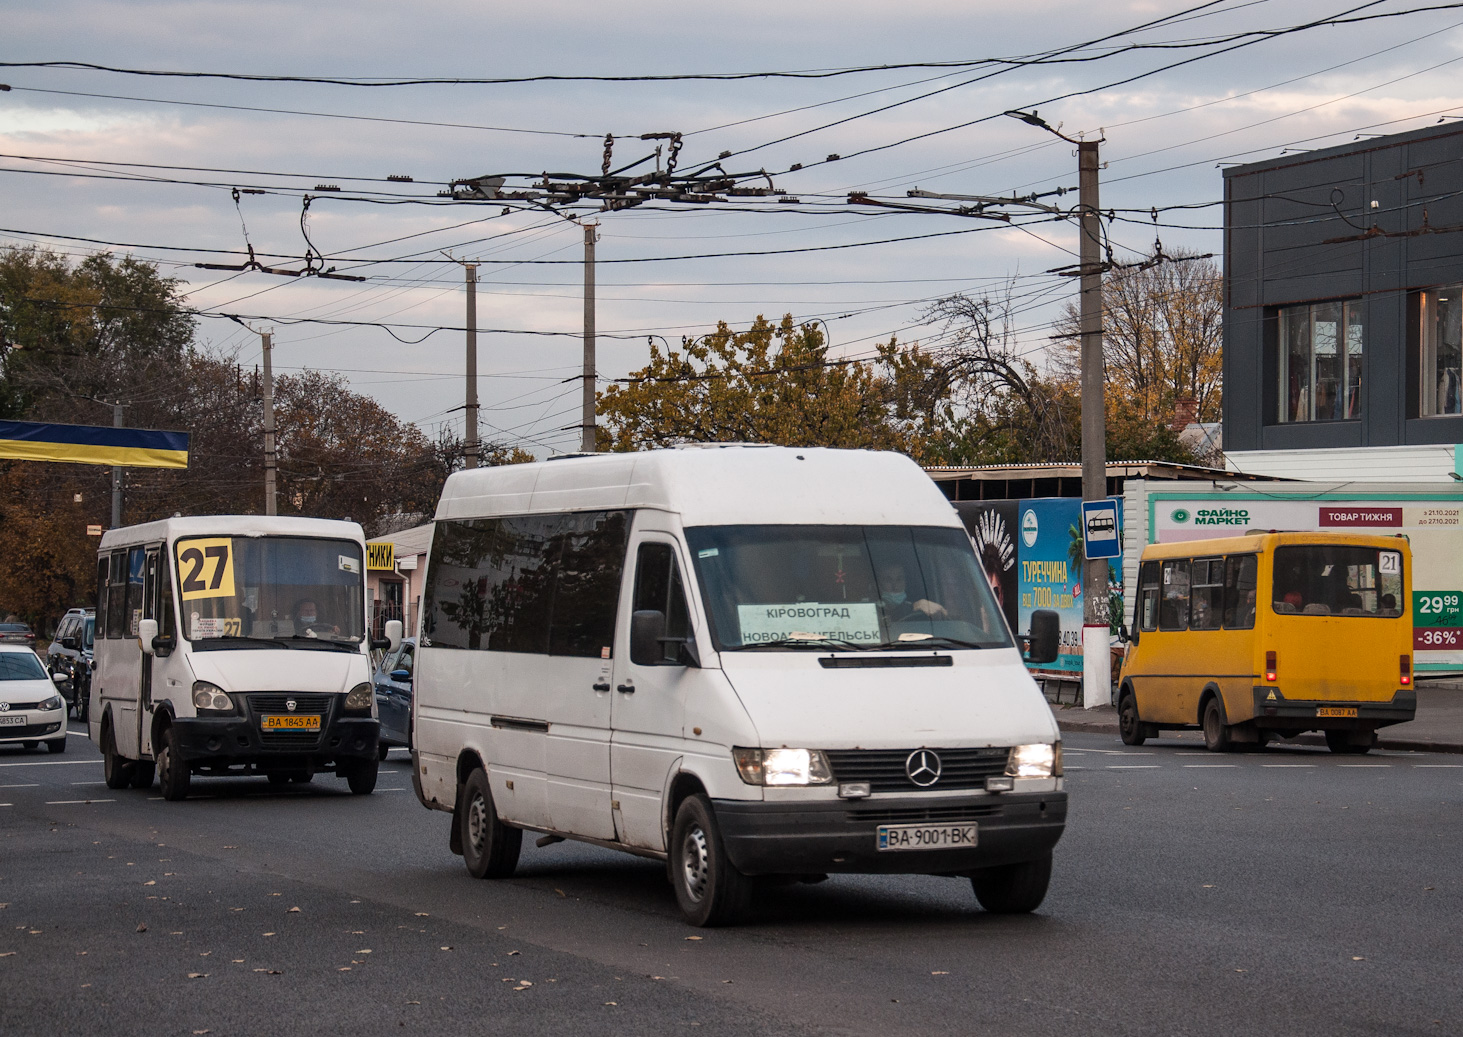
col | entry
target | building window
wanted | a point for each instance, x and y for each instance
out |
(1320, 361)
(1442, 351)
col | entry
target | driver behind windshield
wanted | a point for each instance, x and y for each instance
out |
(893, 592)
(307, 620)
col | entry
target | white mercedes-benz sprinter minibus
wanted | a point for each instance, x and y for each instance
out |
(233, 645)
(747, 661)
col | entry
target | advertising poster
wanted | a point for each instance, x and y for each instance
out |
(992, 529)
(1433, 527)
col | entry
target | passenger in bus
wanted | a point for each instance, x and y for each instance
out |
(1389, 603)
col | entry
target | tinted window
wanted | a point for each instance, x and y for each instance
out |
(103, 568)
(20, 666)
(117, 596)
(1239, 591)
(537, 583)
(1173, 612)
(136, 562)
(1148, 596)
(1336, 580)
(1206, 607)
(658, 586)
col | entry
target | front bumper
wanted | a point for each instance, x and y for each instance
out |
(231, 740)
(50, 726)
(763, 838)
(1274, 711)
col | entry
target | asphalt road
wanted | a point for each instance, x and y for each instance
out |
(1279, 892)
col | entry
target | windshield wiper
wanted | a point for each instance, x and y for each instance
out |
(304, 639)
(801, 641)
(930, 642)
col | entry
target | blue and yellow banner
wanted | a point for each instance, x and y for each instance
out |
(93, 444)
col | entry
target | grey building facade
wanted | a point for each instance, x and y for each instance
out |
(1343, 310)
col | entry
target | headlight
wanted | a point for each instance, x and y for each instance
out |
(211, 697)
(359, 699)
(782, 766)
(1041, 760)
(54, 702)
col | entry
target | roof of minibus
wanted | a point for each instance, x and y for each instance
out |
(229, 525)
(1267, 541)
(714, 484)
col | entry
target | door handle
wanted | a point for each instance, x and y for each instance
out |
(627, 688)
(601, 685)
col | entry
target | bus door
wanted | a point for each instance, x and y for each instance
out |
(144, 680)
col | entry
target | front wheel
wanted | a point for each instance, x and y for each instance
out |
(172, 770)
(709, 889)
(57, 745)
(361, 776)
(489, 847)
(1130, 726)
(381, 750)
(1013, 889)
(1216, 731)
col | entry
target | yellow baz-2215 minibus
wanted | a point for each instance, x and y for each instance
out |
(1269, 635)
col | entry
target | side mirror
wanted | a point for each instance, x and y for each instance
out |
(60, 678)
(1046, 629)
(647, 627)
(1123, 634)
(147, 634)
(401, 676)
(392, 641)
(68, 643)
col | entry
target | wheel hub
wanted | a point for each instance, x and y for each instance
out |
(477, 822)
(695, 863)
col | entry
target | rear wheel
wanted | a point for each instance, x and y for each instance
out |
(361, 776)
(1343, 743)
(1013, 889)
(1216, 731)
(142, 774)
(1131, 728)
(116, 769)
(709, 889)
(172, 770)
(381, 751)
(490, 848)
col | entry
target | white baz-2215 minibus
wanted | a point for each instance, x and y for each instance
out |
(233, 645)
(745, 661)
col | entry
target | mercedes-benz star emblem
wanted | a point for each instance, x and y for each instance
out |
(289, 704)
(923, 767)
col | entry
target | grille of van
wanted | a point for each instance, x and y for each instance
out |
(274, 703)
(884, 769)
(921, 815)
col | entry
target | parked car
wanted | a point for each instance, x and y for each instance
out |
(17, 634)
(30, 710)
(70, 654)
(392, 681)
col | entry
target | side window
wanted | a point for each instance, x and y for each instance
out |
(587, 597)
(1207, 606)
(166, 623)
(1240, 591)
(1173, 612)
(404, 661)
(136, 566)
(117, 596)
(1148, 596)
(104, 568)
(658, 586)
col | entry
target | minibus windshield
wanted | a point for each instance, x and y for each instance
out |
(844, 588)
(1337, 580)
(271, 590)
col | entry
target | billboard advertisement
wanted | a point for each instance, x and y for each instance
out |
(1033, 549)
(1432, 524)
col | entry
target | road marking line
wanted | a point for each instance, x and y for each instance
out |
(1384, 765)
(1210, 766)
(1133, 767)
(88, 783)
(32, 785)
(7, 804)
(73, 802)
(1312, 765)
(52, 763)
(391, 790)
(1451, 766)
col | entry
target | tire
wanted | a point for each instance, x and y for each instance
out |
(1216, 731)
(489, 847)
(278, 778)
(116, 769)
(381, 750)
(31, 744)
(142, 774)
(709, 889)
(1013, 889)
(172, 770)
(361, 776)
(57, 745)
(1131, 728)
(1339, 742)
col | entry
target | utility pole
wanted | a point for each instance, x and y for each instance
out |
(269, 458)
(1096, 657)
(116, 473)
(586, 420)
(471, 449)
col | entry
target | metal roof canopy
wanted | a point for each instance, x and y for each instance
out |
(1063, 479)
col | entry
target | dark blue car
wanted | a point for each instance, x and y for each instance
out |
(393, 695)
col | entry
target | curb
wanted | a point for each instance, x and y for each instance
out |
(1099, 727)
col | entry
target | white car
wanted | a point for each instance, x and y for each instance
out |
(31, 711)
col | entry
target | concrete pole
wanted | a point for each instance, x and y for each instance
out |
(586, 420)
(116, 473)
(1096, 656)
(471, 447)
(269, 457)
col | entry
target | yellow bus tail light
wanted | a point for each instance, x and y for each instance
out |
(1272, 669)
(1406, 669)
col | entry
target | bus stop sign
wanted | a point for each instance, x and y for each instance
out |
(1100, 529)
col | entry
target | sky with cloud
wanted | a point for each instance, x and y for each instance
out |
(1240, 98)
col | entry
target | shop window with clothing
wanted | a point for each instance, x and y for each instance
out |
(1442, 351)
(1321, 350)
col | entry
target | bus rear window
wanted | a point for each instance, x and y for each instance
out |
(1335, 580)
